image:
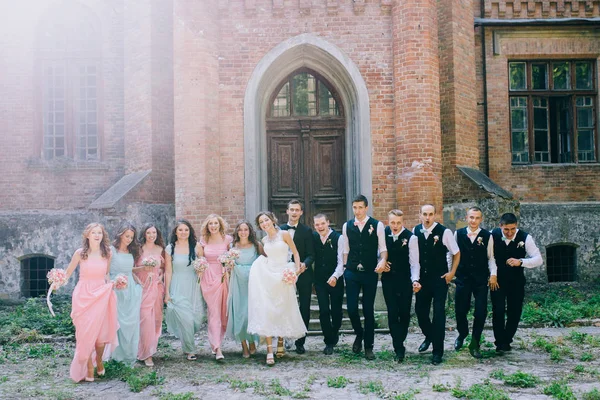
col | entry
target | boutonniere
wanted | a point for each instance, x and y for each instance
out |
(329, 243)
(404, 242)
(371, 229)
(521, 244)
(480, 241)
(435, 239)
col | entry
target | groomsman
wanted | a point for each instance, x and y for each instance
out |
(364, 237)
(476, 268)
(329, 283)
(400, 278)
(435, 242)
(514, 251)
(303, 239)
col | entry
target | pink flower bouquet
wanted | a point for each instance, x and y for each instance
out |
(200, 265)
(121, 281)
(150, 262)
(227, 260)
(57, 277)
(289, 276)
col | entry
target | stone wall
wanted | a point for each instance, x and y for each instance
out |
(57, 234)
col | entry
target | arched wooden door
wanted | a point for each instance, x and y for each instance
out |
(305, 142)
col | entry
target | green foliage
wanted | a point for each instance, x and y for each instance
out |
(177, 396)
(593, 394)
(410, 395)
(579, 369)
(137, 378)
(561, 306)
(559, 390)
(338, 382)
(440, 387)
(522, 380)
(480, 391)
(586, 356)
(26, 322)
(375, 387)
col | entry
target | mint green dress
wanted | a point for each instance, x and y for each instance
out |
(184, 312)
(129, 301)
(237, 303)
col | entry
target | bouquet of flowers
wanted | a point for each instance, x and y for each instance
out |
(149, 262)
(121, 281)
(200, 265)
(57, 277)
(227, 260)
(289, 276)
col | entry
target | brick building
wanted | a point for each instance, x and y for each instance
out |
(152, 109)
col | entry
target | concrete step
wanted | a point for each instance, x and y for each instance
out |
(381, 322)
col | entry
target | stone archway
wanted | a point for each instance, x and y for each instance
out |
(307, 51)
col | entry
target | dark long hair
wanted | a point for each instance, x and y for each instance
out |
(134, 247)
(192, 240)
(251, 236)
(159, 239)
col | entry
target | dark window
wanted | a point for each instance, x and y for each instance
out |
(69, 52)
(304, 94)
(561, 263)
(552, 112)
(33, 275)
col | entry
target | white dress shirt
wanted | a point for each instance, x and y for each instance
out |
(472, 235)
(534, 257)
(380, 235)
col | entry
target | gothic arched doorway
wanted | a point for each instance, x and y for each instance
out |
(306, 147)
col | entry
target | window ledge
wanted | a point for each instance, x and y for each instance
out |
(58, 164)
(563, 165)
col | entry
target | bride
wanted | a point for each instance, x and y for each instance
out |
(272, 304)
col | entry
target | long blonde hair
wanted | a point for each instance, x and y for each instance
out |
(223, 226)
(104, 244)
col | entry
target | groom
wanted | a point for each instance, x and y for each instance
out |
(303, 239)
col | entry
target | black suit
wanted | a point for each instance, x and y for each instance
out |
(303, 239)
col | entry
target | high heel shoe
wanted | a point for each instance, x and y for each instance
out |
(219, 356)
(89, 379)
(280, 350)
(101, 373)
(270, 359)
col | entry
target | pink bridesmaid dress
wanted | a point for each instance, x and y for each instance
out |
(151, 311)
(94, 315)
(215, 291)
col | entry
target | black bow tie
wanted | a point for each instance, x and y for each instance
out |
(292, 226)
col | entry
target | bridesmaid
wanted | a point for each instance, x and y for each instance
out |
(151, 245)
(94, 311)
(215, 285)
(244, 239)
(125, 252)
(182, 293)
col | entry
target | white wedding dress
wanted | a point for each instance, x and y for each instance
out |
(272, 304)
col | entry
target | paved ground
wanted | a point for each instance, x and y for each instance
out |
(551, 354)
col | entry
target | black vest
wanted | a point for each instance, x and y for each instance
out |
(325, 255)
(502, 252)
(473, 256)
(432, 253)
(398, 256)
(363, 245)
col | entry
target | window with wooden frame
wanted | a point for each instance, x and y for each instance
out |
(561, 263)
(69, 83)
(553, 111)
(33, 275)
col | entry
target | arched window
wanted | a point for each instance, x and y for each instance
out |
(69, 76)
(33, 275)
(561, 262)
(304, 94)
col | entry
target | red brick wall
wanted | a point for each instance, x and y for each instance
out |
(27, 182)
(566, 182)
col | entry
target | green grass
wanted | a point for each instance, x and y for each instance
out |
(586, 356)
(480, 391)
(137, 378)
(559, 391)
(28, 321)
(410, 395)
(440, 387)
(176, 396)
(519, 379)
(375, 387)
(338, 382)
(593, 394)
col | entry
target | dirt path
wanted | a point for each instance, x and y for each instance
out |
(553, 355)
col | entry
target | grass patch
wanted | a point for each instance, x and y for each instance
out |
(375, 387)
(587, 356)
(440, 387)
(176, 396)
(519, 379)
(560, 391)
(479, 391)
(28, 321)
(410, 395)
(593, 394)
(338, 382)
(137, 378)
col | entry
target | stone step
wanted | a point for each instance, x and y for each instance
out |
(381, 322)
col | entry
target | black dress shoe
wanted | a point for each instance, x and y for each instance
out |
(458, 343)
(369, 354)
(357, 345)
(400, 355)
(499, 351)
(424, 346)
(336, 340)
(474, 349)
(328, 350)
(506, 347)
(300, 349)
(436, 359)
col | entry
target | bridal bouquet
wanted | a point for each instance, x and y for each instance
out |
(57, 277)
(121, 281)
(227, 260)
(149, 262)
(289, 276)
(200, 265)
